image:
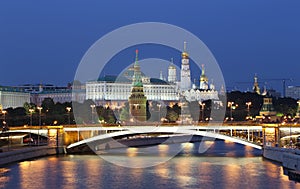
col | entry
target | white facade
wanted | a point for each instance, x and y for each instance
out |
(13, 99)
(172, 74)
(103, 90)
(200, 95)
(58, 96)
(185, 72)
(185, 75)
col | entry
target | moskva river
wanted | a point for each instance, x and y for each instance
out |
(186, 170)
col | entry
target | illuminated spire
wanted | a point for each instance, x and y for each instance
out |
(256, 88)
(136, 56)
(184, 54)
(203, 79)
(137, 78)
(202, 70)
(161, 75)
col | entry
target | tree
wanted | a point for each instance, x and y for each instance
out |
(124, 115)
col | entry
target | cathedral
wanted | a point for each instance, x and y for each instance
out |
(192, 92)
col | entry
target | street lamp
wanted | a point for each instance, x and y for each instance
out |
(202, 108)
(40, 115)
(4, 112)
(232, 107)
(229, 104)
(31, 111)
(5, 128)
(248, 108)
(69, 110)
(158, 105)
(40, 123)
(93, 107)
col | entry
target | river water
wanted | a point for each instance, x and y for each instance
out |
(186, 170)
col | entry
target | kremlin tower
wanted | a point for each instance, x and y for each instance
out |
(137, 99)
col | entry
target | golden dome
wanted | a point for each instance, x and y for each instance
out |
(185, 55)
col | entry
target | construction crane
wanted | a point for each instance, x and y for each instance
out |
(283, 80)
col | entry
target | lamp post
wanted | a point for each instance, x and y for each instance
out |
(229, 104)
(93, 107)
(159, 105)
(248, 108)
(202, 108)
(69, 110)
(40, 115)
(5, 128)
(31, 111)
(4, 112)
(40, 123)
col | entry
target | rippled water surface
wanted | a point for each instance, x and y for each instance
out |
(90, 171)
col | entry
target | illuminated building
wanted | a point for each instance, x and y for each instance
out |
(256, 88)
(204, 92)
(11, 97)
(115, 90)
(58, 94)
(137, 99)
(185, 74)
(267, 112)
(172, 73)
(298, 110)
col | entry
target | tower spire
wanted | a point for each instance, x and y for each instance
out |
(184, 46)
(136, 55)
(256, 88)
(202, 69)
(137, 99)
(137, 78)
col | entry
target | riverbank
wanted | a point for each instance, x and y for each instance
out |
(28, 153)
(289, 158)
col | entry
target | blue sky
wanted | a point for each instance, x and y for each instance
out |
(44, 41)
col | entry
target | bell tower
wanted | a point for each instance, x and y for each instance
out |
(185, 74)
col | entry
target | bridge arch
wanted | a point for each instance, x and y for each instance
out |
(175, 130)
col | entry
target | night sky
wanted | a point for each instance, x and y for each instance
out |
(44, 41)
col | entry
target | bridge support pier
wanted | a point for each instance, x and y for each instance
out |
(248, 134)
(78, 136)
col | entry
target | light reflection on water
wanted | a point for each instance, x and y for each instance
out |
(184, 171)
